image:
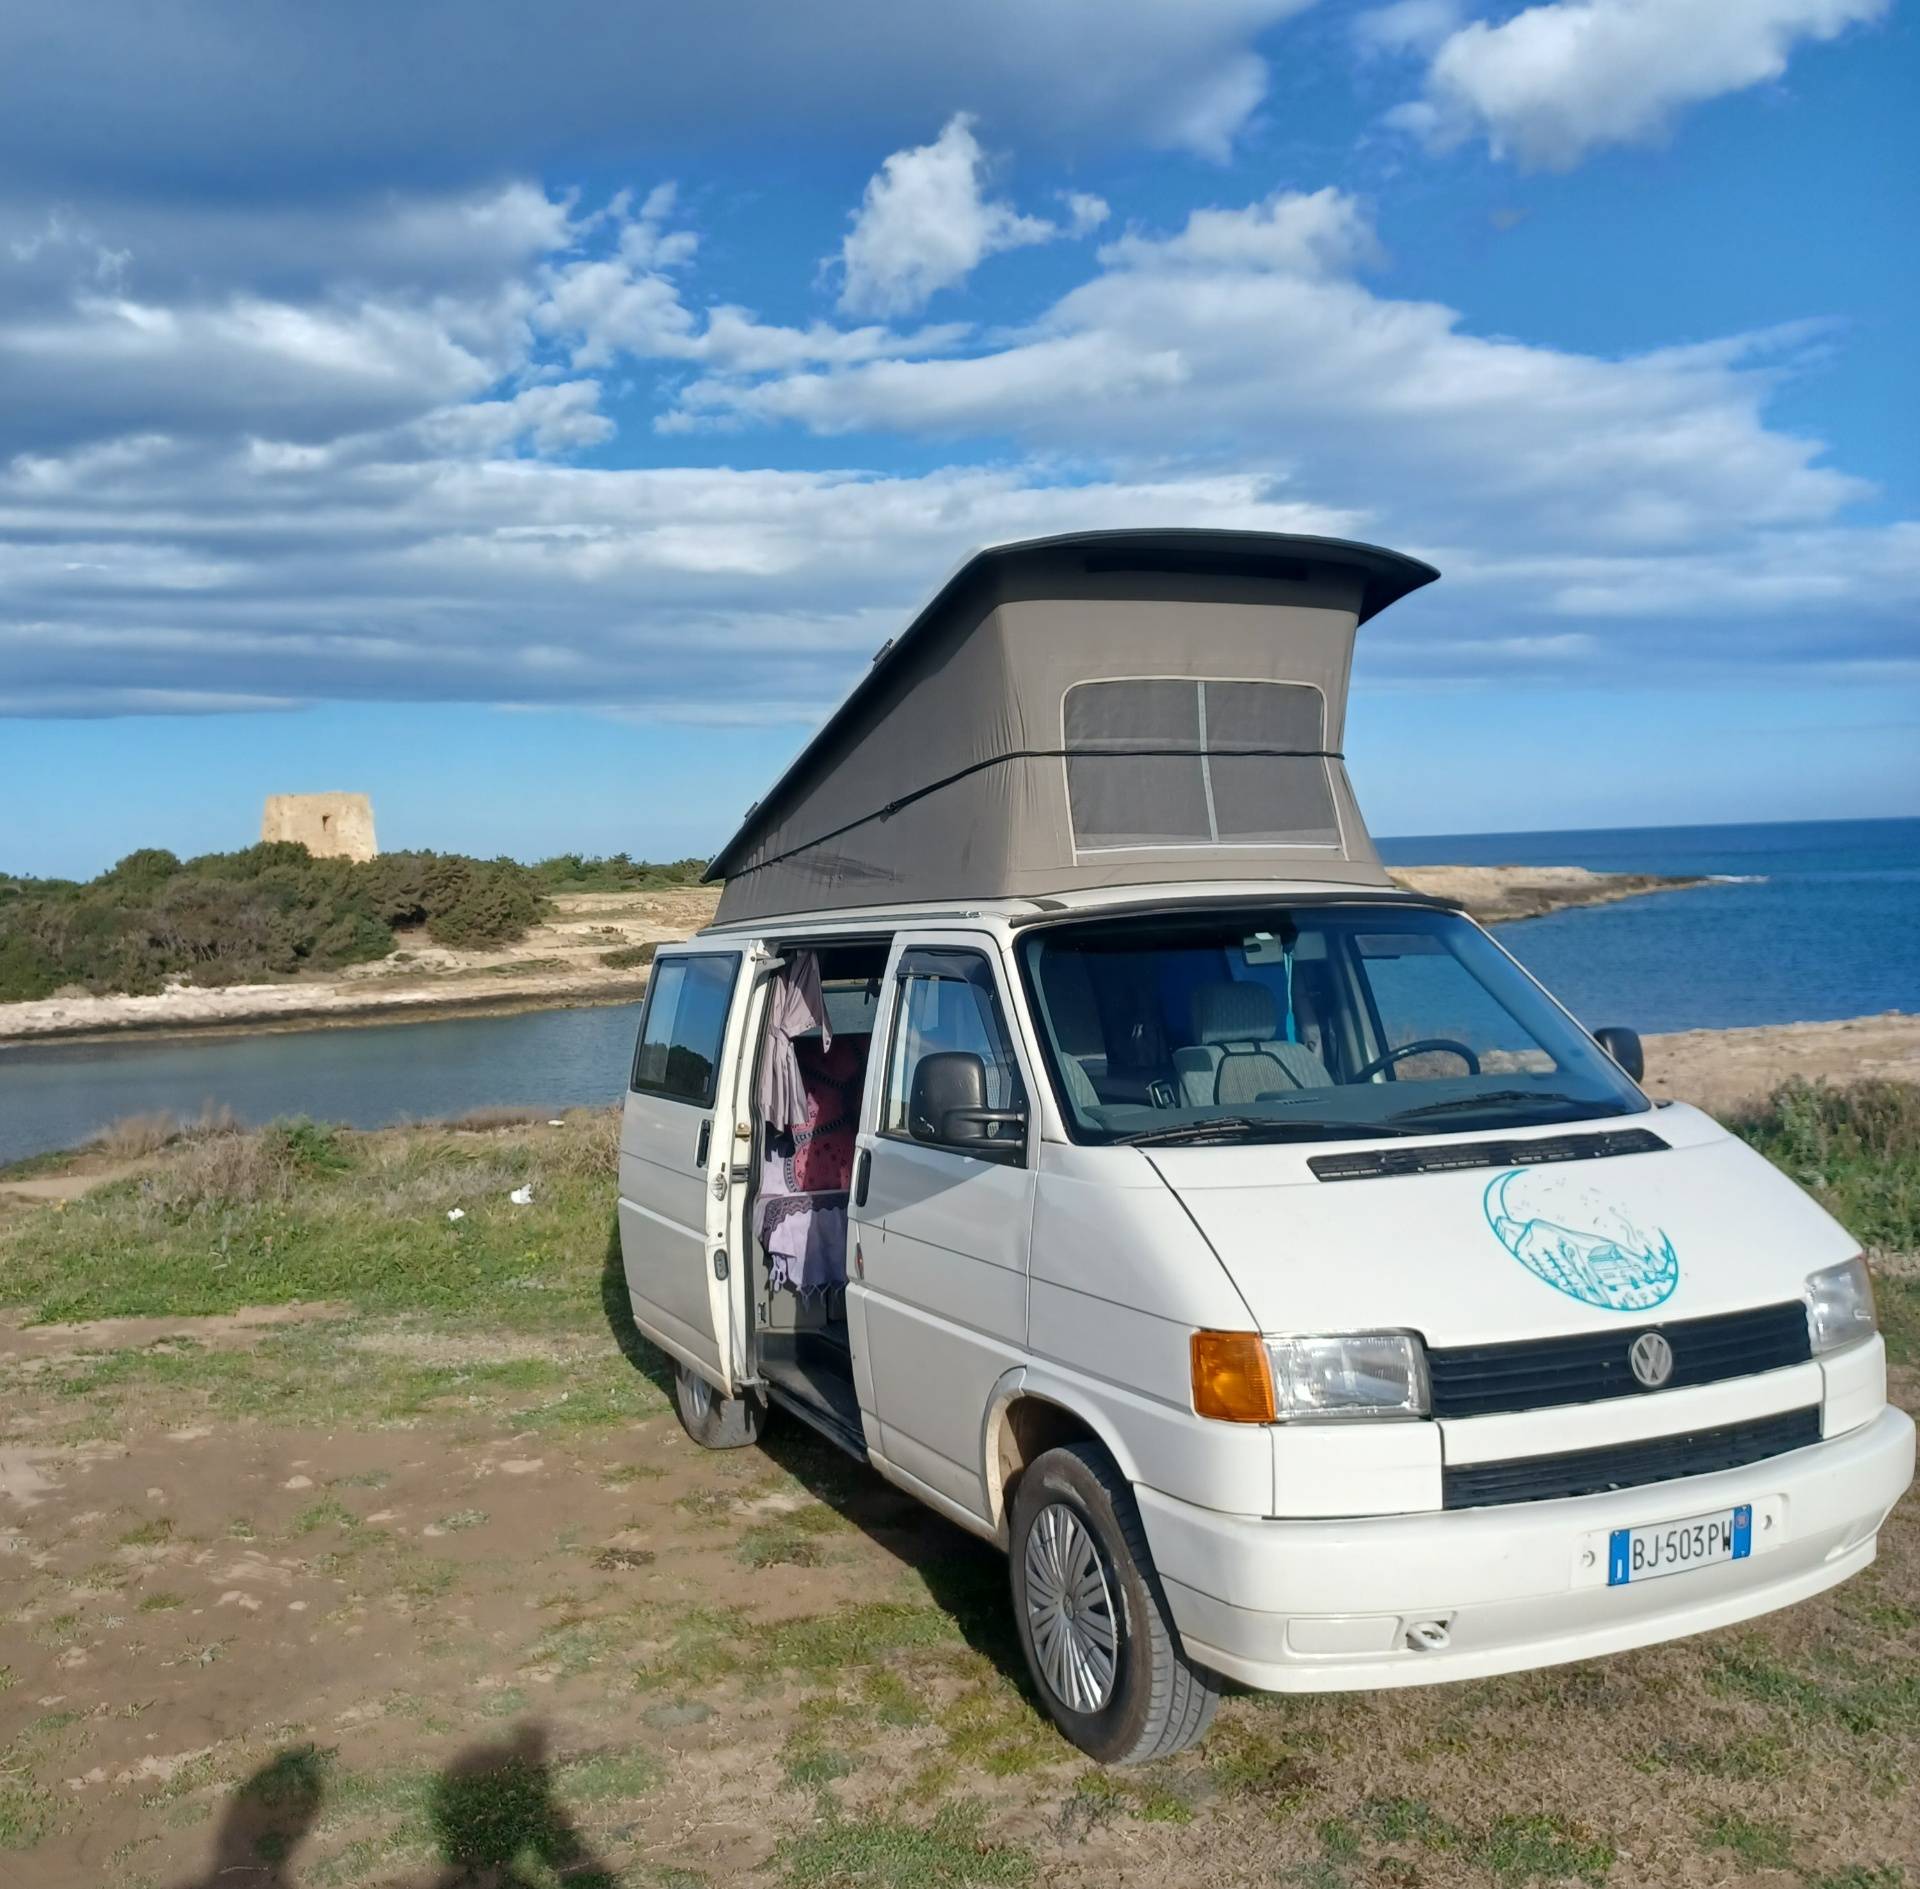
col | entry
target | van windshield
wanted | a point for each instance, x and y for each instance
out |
(1304, 1022)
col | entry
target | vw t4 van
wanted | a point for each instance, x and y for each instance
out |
(1067, 1117)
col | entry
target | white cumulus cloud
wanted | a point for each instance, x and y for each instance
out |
(1559, 81)
(927, 222)
(1406, 26)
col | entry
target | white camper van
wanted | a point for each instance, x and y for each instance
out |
(1066, 1116)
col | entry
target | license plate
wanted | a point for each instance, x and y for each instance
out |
(1646, 1554)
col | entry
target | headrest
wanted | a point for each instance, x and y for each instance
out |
(1235, 1013)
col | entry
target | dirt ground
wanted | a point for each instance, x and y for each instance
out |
(410, 1579)
(675, 1667)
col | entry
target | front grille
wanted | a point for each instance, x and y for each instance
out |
(1372, 1164)
(1540, 1373)
(1628, 1465)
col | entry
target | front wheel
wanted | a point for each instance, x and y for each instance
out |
(1093, 1623)
(714, 1420)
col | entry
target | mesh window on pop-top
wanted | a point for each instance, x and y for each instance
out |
(1173, 762)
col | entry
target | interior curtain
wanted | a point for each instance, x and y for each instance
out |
(794, 1007)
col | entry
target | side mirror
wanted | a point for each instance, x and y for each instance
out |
(1624, 1047)
(947, 1108)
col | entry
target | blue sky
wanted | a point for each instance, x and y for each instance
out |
(537, 416)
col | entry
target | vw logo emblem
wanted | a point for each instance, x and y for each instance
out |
(1652, 1359)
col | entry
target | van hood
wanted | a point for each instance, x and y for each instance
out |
(1484, 1254)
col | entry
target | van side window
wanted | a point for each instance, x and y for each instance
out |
(686, 1016)
(947, 1001)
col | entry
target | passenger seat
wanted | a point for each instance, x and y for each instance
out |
(1238, 1055)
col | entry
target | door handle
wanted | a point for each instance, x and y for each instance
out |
(862, 1174)
(702, 1143)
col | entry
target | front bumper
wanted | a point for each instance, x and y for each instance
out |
(1336, 1606)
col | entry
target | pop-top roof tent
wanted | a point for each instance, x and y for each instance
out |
(1107, 708)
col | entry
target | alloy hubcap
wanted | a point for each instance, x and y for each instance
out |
(1070, 1610)
(699, 1397)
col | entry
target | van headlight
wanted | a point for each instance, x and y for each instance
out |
(1840, 1306)
(1357, 1374)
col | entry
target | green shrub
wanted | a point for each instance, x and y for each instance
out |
(628, 957)
(575, 872)
(270, 910)
(1856, 1149)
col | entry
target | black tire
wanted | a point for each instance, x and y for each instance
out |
(1154, 1701)
(713, 1420)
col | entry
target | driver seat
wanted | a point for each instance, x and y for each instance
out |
(1238, 1055)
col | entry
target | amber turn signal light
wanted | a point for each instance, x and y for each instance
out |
(1231, 1378)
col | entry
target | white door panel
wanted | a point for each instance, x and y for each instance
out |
(942, 1291)
(676, 1147)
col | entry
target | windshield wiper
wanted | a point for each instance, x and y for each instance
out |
(1250, 1129)
(1460, 1103)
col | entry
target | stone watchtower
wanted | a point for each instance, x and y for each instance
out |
(329, 826)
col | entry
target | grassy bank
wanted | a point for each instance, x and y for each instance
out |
(298, 1211)
(368, 1541)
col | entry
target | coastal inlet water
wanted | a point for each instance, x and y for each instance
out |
(57, 1095)
(1809, 922)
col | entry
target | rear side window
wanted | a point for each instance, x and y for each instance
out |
(1159, 761)
(686, 1017)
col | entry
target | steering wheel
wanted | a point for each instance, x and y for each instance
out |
(1401, 1051)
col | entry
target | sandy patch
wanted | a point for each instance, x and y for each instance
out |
(1722, 1069)
(52, 1344)
(457, 1348)
(71, 1184)
(22, 1480)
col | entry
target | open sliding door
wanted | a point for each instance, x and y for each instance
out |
(682, 1166)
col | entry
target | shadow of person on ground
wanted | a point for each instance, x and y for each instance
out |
(493, 1812)
(266, 1821)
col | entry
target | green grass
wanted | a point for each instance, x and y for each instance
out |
(321, 1373)
(883, 1852)
(1859, 1696)
(1855, 1148)
(362, 1218)
(1512, 1849)
(793, 1540)
(1754, 1845)
(1898, 1302)
(996, 1728)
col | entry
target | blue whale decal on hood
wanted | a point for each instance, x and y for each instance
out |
(1571, 1239)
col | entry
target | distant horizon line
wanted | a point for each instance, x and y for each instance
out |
(1379, 839)
(1666, 826)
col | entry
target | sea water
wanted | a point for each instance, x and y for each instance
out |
(1801, 922)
